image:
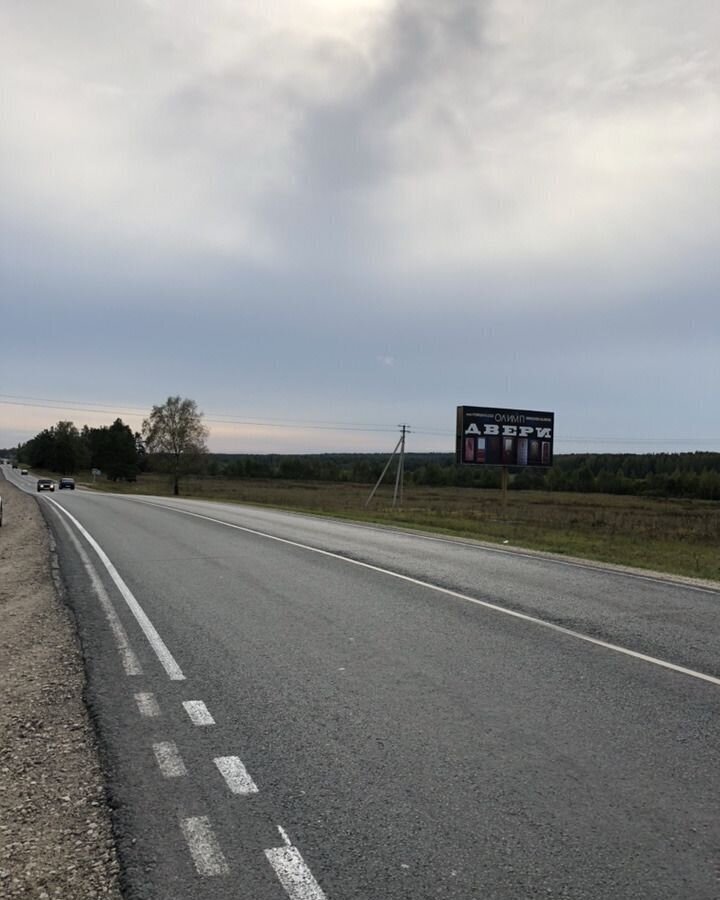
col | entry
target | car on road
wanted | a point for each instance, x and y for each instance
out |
(23, 471)
(45, 484)
(66, 483)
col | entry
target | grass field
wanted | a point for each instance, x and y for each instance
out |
(677, 536)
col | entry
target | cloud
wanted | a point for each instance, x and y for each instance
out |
(482, 134)
(382, 137)
(242, 203)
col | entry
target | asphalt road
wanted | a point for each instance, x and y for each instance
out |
(376, 733)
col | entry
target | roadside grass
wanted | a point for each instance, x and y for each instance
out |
(675, 536)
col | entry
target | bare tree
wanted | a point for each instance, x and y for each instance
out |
(176, 432)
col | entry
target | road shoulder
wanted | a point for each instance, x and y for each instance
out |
(55, 837)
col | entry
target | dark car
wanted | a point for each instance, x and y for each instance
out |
(68, 483)
(45, 484)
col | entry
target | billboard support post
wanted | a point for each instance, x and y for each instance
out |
(504, 486)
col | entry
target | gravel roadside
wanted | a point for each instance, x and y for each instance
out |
(55, 833)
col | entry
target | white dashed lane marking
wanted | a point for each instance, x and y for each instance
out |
(204, 848)
(147, 705)
(236, 775)
(292, 871)
(169, 759)
(287, 862)
(198, 712)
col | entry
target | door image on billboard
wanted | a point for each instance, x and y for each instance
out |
(480, 456)
(492, 451)
(508, 451)
(522, 451)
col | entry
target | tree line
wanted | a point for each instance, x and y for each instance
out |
(691, 475)
(115, 449)
(173, 439)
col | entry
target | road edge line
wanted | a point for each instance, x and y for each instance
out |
(167, 660)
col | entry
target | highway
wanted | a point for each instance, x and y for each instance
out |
(291, 706)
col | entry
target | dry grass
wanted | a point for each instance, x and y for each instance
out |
(678, 536)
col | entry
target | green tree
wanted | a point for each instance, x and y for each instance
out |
(60, 449)
(176, 434)
(113, 450)
(40, 451)
(71, 452)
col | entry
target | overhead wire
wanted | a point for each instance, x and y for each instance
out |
(220, 418)
(216, 418)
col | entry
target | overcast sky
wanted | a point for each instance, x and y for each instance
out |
(362, 212)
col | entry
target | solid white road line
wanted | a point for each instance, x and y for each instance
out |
(293, 872)
(578, 635)
(198, 712)
(236, 775)
(204, 848)
(169, 759)
(147, 705)
(156, 642)
(129, 661)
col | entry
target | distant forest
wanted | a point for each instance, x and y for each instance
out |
(120, 455)
(693, 475)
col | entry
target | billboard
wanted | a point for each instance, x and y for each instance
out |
(490, 436)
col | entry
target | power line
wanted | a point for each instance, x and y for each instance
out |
(102, 407)
(220, 418)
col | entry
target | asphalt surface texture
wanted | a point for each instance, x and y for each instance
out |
(375, 733)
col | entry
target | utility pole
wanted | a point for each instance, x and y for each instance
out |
(400, 475)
